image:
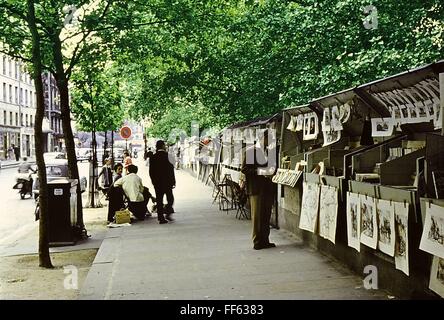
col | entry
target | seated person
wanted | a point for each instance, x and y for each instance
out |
(133, 188)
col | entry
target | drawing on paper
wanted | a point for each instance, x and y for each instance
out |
(328, 212)
(369, 231)
(331, 137)
(300, 122)
(432, 240)
(437, 276)
(326, 120)
(401, 237)
(310, 206)
(386, 226)
(353, 220)
(344, 112)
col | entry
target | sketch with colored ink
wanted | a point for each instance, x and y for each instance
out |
(328, 212)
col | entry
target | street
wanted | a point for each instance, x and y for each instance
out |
(17, 215)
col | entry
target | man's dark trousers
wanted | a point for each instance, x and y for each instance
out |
(160, 192)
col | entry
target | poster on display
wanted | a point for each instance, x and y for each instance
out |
(401, 237)
(335, 119)
(310, 206)
(311, 129)
(300, 122)
(328, 212)
(438, 115)
(344, 112)
(386, 226)
(326, 120)
(292, 125)
(369, 223)
(331, 137)
(382, 127)
(436, 283)
(353, 220)
(432, 240)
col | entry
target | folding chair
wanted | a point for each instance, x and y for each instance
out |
(240, 199)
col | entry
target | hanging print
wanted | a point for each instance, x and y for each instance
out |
(432, 240)
(310, 206)
(369, 224)
(401, 237)
(328, 212)
(386, 226)
(353, 220)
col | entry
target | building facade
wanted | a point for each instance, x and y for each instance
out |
(18, 104)
(53, 114)
(17, 109)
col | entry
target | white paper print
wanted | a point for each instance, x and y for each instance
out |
(331, 137)
(310, 206)
(382, 127)
(386, 226)
(300, 122)
(311, 129)
(326, 120)
(432, 240)
(292, 125)
(353, 221)
(369, 223)
(328, 212)
(438, 115)
(335, 119)
(402, 236)
(344, 112)
(436, 283)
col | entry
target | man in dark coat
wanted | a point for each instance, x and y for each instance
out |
(163, 180)
(258, 166)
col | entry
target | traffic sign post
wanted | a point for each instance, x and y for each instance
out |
(125, 133)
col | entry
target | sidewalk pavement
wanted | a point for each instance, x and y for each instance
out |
(207, 254)
(13, 163)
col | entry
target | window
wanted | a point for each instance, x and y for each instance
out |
(30, 99)
(26, 98)
(21, 96)
(16, 95)
(10, 93)
(21, 119)
(10, 67)
(4, 92)
(27, 123)
(17, 120)
(4, 65)
(30, 121)
(10, 118)
(4, 117)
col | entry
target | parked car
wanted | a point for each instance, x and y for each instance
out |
(56, 169)
(53, 155)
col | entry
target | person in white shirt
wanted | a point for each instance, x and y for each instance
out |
(133, 188)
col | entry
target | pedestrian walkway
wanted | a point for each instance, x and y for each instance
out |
(207, 254)
(13, 163)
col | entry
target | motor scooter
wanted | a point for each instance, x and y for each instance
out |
(23, 184)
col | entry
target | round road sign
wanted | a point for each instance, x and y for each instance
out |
(125, 132)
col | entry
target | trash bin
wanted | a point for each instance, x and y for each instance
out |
(62, 205)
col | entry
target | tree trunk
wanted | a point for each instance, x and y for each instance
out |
(44, 257)
(62, 84)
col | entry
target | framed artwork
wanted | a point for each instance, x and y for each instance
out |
(432, 240)
(386, 226)
(369, 224)
(353, 221)
(436, 283)
(401, 237)
(311, 128)
(382, 127)
(310, 206)
(328, 212)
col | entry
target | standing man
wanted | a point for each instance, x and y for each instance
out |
(16, 152)
(258, 168)
(163, 179)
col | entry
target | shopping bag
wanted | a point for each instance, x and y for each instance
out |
(122, 216)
